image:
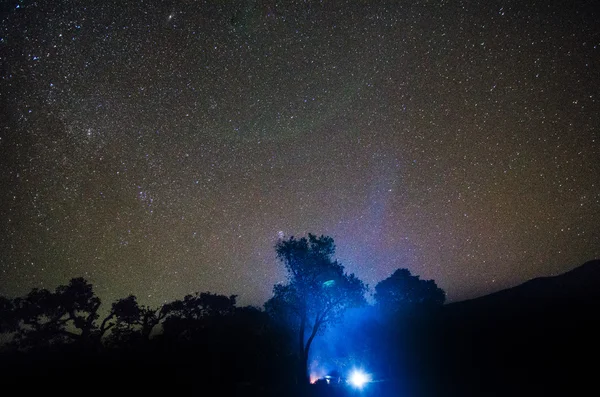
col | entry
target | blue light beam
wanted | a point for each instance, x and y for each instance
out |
(359, 378)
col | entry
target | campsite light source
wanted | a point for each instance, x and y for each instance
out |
(358, 378)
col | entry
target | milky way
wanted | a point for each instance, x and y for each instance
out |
(162, 147)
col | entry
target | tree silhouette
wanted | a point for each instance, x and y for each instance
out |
(185, 318)
(8, 321)
(132, 323)
(317, 293)
(66, 315)
(403, 292)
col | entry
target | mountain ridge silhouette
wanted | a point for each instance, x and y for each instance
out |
(536, 338)
(580, 285)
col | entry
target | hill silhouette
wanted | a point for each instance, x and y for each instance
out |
(580, 285)
(540, 337)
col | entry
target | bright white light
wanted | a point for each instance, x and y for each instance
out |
(358, 378)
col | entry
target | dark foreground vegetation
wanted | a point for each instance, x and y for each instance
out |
(537, 339)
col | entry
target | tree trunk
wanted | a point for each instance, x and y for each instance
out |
(302, 365)
(305, 379)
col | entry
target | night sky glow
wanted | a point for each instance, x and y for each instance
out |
(162, 147)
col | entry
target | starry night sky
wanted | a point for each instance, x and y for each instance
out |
(162, 147)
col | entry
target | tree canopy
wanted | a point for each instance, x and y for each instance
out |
(317, 293)
(403, 292)
(65, 315)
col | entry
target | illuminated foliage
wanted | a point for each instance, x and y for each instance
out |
(317, 293)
